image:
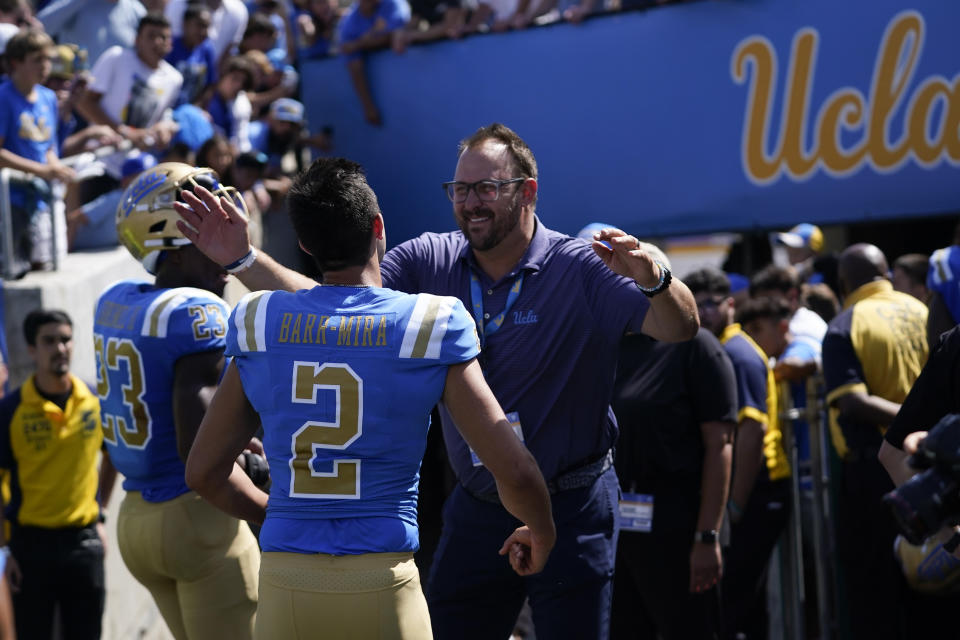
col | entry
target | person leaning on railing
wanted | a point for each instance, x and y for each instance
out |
(28, 143)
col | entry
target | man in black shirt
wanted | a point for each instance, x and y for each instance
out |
(935, 393)
(676, 404)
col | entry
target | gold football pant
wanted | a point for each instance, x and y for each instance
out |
(373, 595)
(200, 565)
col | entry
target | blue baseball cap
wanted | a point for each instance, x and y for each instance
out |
(287, 110)
(137, 164)
(802, 235)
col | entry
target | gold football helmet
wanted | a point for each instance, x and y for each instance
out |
(929, 567)
(146, 220)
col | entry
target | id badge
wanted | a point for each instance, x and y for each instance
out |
(514, 419)
(636, 512)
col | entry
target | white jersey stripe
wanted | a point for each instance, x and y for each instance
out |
(260, 332)
(413, 326)
(445, 308)
(250, 320)
(158, 314)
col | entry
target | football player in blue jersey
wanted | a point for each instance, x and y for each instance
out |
(160, 353)
(343, 376)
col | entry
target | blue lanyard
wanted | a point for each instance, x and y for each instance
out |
(476, 292)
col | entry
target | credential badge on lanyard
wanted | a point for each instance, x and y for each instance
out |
(636, 512)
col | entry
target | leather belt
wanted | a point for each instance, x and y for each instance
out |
(578, 478)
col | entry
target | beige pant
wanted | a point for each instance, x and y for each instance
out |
(200, 565)
(374, 595)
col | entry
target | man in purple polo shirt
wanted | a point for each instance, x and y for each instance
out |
(550, 311)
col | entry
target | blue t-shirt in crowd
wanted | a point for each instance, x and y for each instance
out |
(394, 13)
(319, 49)
(28, 129)
(198, 66)
(221, 113)
(260, 140)
(101, 230)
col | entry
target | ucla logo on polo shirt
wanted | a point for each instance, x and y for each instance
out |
(525, 317)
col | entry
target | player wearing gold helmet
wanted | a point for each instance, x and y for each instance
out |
(159, 357)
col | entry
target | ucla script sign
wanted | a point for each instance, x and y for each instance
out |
(926, 110)
(719, 115)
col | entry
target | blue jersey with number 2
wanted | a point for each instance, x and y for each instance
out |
(344, 379)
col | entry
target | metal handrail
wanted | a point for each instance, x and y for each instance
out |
(58, 207)
(821, 536)
(58, 190)
(96, 154)
(824, 545)
(6, 215)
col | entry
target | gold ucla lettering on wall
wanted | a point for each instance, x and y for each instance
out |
(846, 110)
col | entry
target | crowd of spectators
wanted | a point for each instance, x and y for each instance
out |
(94, 89)
(162, 77)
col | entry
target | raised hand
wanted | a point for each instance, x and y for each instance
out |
(214, 225)
(622, 254)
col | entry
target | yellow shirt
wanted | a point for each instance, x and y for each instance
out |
(52, 455)
(877, 345)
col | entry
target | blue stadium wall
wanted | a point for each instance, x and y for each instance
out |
(708, 116)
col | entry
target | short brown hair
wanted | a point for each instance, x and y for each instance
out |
(762, 308)
(774, 278)
(28, 41)
(519, 151)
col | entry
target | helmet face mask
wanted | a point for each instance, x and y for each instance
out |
(146, 220)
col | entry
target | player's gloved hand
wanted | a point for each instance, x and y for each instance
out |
(254, 463)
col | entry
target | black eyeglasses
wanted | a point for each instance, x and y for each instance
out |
(486, 190)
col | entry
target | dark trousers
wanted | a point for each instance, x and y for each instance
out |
(651, 589)
(61, 568)
(473, 592)
(874, 585)
(752, 540)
